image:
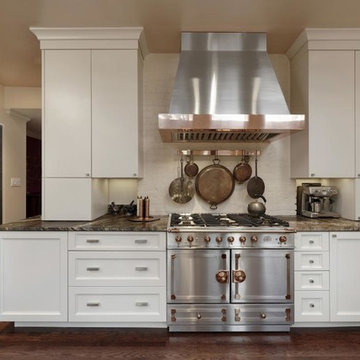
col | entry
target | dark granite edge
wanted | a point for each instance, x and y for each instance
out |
(118, 223)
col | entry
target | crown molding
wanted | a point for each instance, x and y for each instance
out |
(326, 39)
(91, 37)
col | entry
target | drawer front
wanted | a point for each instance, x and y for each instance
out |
(117, 241)
(311, 261)
(311, 306)
(112, 304)
(240, 314)
(318, 241)
(311, 280)
(89, 268)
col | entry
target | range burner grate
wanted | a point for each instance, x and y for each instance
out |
(209, 220)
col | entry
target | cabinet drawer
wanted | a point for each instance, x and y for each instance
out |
(311, 280)
(311, 306)
(318, 241)
(311, 261)
(90, 268)
(113, 304)
(117, 241)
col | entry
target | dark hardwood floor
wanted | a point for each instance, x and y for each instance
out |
(40, 343)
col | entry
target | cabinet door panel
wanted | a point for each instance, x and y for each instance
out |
(115, 113)
(331, 113)
(344, 276)
(357, 112)
(33, 270)
(67, 117)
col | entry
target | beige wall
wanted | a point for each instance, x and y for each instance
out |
(14, 164)
(161, 160)
(22, 97)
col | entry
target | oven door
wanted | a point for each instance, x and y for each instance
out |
(198, 276)
(262, 276)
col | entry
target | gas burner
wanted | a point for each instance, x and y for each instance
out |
(225, 220)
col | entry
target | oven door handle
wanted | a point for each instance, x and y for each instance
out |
(288, 275)
(172, 277)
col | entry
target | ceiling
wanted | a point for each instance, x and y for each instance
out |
(163, 20)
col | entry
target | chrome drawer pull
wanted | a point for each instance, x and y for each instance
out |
(312, 305)
(311, 261)
(141, 268)
(142, 303)
(311, 281)
(140, 241)
(93, 304)
(92, 241)
(311, 242)
(93, 269)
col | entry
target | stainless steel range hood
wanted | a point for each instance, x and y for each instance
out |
(226, 90)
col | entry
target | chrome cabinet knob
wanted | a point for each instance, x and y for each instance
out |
(263, 316)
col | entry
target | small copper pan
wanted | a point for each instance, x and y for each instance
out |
(214, 184)
(242, 171)
(191, 169)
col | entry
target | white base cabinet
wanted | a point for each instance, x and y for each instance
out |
(312, 277)
(105, 278)
(344, 276)
(33, 276)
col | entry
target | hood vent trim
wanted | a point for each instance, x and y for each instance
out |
(226, 91)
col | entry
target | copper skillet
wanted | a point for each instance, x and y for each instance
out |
(242, 171)
(214, 184)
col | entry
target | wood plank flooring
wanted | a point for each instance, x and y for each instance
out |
(158, 344)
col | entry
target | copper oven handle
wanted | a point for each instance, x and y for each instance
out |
(237, 267)
(172, 277)
(288, 274)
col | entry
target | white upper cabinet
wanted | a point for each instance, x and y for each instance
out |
(92, 101)
(116, 108)
(67, 113)
(323, 86)
(92, 116)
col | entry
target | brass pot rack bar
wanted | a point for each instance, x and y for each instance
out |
(219, 152)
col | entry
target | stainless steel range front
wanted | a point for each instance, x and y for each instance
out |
(229, 272)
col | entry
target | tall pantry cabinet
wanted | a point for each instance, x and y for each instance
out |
(325, 85)
(92, 116)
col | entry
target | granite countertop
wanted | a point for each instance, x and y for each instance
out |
(119, 223)
(300, 223)
(103, 223)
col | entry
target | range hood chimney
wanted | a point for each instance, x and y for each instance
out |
(226, 90)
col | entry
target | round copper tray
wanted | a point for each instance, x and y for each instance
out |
(214, 184)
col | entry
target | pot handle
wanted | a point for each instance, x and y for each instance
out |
(260, 196)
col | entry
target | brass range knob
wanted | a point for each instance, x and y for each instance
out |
(283, 239)
(178, 239)
(242, 239)
(190, 239)
(219, 239)
(254, 239)
(238, 276)
(222, 276)
(230, 239)
(207, 239)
